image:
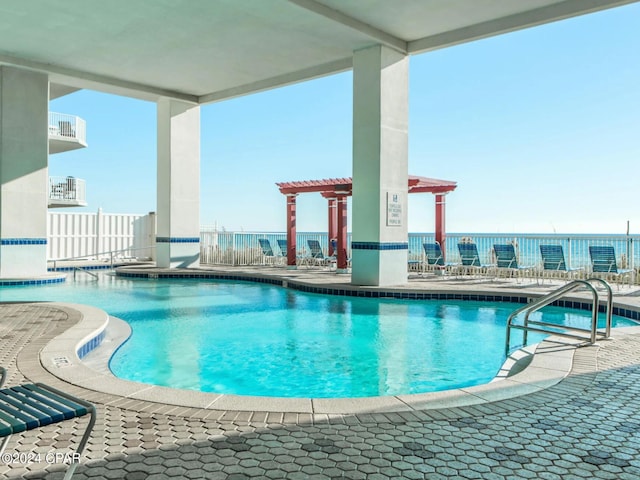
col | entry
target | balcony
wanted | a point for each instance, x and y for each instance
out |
(67, 192)
(66, 132)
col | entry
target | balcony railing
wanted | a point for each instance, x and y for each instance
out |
(66, 132)
(67, 192)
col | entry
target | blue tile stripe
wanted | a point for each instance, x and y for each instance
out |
(475, 297)
(44, 281)
(23, 241)
(91, 344)
(379, 246)
(87, 267)
(206, 276)
(178, 239)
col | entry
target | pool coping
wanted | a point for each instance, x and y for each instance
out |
(551, 362)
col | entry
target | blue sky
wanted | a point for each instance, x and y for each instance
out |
(540, 128)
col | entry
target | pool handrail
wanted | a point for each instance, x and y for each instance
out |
(111, 254)
(545, 300)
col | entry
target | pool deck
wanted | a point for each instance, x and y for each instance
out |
(572, 413)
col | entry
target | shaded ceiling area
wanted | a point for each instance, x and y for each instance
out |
(204, 51)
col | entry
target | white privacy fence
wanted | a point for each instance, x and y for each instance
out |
(86, 234)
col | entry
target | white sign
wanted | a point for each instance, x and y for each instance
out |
(394, 209)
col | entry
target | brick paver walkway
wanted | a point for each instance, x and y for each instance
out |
(587, 426)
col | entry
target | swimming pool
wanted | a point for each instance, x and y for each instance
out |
(255, 339)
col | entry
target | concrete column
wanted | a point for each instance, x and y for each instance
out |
(291, 232)
(24, 151)
(178, 216)
(380, 136)
(441, 237)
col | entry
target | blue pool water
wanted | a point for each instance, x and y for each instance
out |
(254, 339)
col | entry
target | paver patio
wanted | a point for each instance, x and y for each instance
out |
(585, 426)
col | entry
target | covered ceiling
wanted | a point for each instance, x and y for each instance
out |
(208, 50)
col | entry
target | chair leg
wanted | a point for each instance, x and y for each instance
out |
(81, 445)
(3, 445)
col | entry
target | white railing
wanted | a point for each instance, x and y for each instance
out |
(67, 190)
(75, 234)
(242, 248)
(67, 127)
(575, 246)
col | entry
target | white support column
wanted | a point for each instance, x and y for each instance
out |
(24, 151)
(178, 234)
(380, 176)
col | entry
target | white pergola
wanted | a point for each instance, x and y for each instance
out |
(182, 54)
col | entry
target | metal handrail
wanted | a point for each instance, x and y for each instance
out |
(75, 269)
(552, 297)
(110, 253)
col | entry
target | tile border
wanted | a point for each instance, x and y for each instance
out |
(23, 241)
(45, 280)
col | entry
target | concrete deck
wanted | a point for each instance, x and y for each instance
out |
(572, 413)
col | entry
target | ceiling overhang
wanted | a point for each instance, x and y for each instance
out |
(203, 52)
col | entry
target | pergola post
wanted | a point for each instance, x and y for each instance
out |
(341, 218)
(332, 222)
(291, 231)
(440, 224)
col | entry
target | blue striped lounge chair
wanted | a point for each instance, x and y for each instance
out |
(603, 264)
(317, 256)
(268, 257)
(434, 259)
(507, 261)
(553, 262)
(35, 405)
(470, 259)
(282, 245)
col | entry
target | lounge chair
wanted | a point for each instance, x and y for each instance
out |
(553, 262)
(603, 262)
(35, 405)
(282, 245)
(317, 257)
(434, 259)
(334, 256)
(282, 256)
(267, 252)
(507, 261)
(470, 259)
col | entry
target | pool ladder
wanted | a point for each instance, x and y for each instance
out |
(561, 330)
(84, 270)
